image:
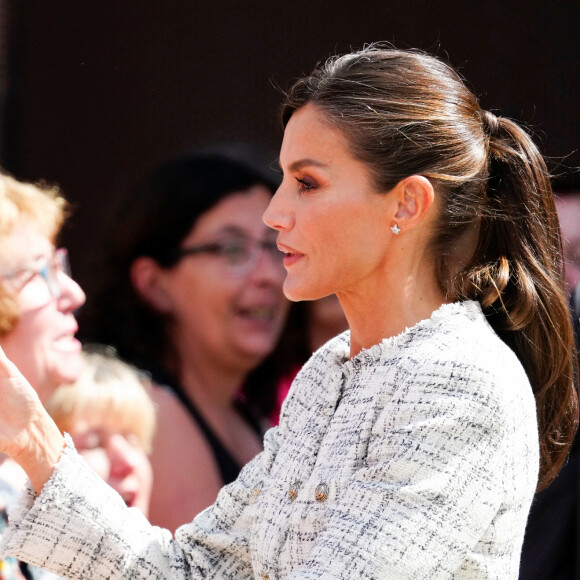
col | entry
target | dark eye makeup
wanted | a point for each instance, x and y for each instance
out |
(305, 184)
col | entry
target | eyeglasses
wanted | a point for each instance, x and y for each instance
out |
(57, 262)
(241, 256)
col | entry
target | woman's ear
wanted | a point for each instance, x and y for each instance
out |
(415, 198)
(148, 278)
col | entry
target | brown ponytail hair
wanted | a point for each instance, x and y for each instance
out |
(408, 113)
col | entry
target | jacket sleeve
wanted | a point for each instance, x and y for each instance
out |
(80, 528)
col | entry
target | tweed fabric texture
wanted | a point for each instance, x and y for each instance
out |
(416, 459)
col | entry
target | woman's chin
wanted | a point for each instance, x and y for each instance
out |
(296, 292)
(68, 368)
(292, 290)
(254, 354)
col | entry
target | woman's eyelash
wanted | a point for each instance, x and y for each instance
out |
(304, 185)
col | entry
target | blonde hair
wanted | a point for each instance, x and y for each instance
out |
(39, 205)
(107, 388)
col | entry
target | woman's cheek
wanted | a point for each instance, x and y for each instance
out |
(145, 471)
(98, 460)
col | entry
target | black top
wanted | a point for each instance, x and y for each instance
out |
(228, 467)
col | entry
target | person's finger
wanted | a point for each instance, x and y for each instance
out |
(7, 368)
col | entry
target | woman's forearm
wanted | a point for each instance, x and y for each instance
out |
(42, 451)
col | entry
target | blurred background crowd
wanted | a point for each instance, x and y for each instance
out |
(158, 123)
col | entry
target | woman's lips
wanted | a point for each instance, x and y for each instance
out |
(67, 343)
(290, 259)
(262, 313)
(129, 498)
(291, 256)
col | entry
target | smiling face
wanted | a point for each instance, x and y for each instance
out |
(333, 225)
(42, 343)
(216, 312)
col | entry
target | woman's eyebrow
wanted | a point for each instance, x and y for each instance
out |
(233, 230)
(307, 162)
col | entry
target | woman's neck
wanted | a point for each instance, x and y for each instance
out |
(387, 309)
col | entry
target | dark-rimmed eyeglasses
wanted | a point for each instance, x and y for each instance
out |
(241, 256)
(48, 269)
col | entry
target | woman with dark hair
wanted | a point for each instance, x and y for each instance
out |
(411, 445)
(194, 296)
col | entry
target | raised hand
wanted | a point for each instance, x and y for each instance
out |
(27, 433)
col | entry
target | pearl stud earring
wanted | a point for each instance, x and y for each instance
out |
(395, 229)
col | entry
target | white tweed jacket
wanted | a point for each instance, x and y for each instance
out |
(416, 459)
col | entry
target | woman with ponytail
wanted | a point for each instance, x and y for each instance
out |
(411, 445)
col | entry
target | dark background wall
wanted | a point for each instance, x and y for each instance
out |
(95, 93)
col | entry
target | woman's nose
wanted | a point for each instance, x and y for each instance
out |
(277, 215)
(71, 295)
(122, 456)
